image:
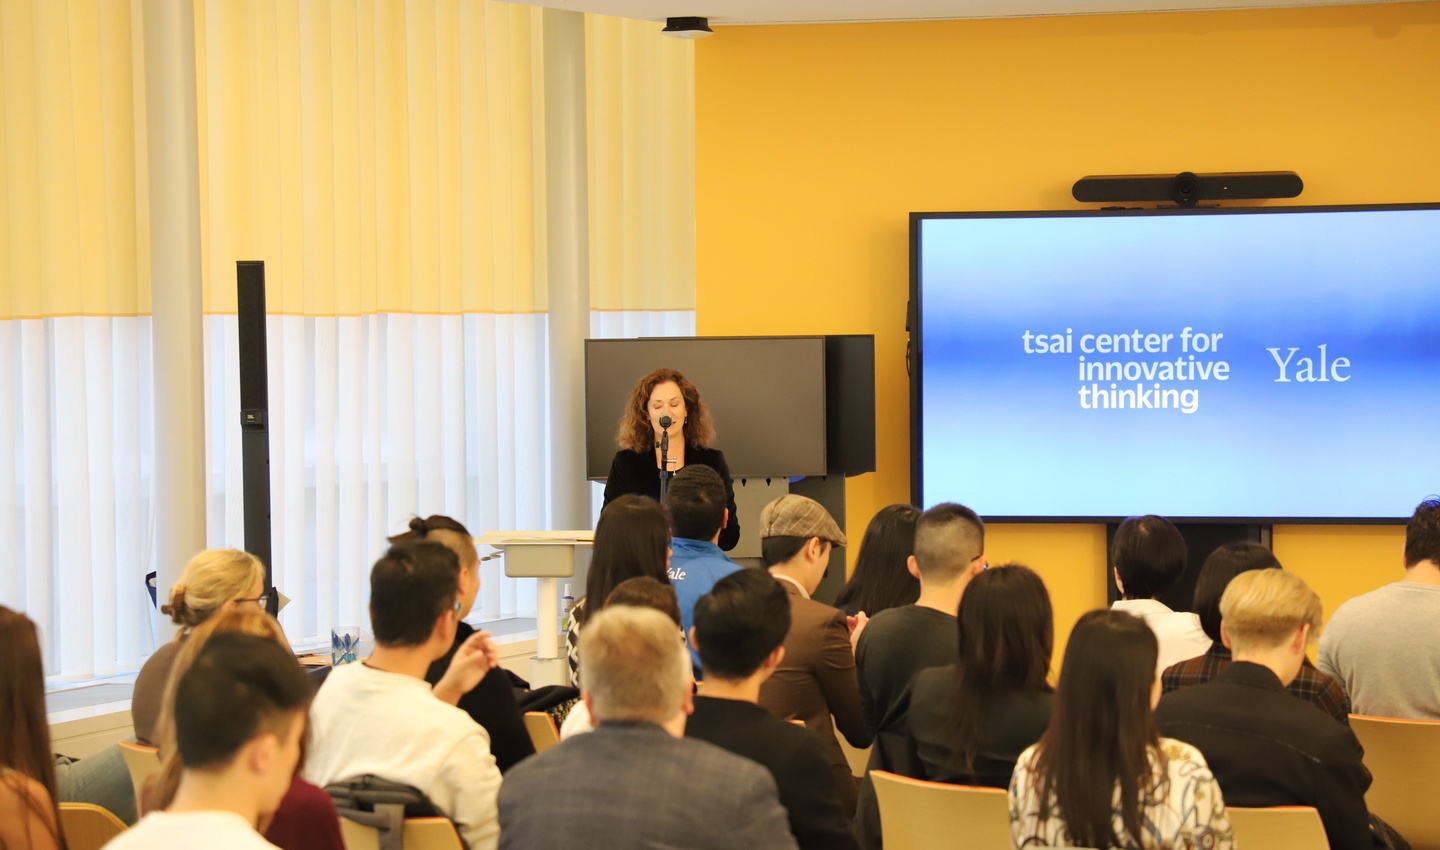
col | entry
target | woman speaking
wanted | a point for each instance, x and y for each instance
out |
(665, 394)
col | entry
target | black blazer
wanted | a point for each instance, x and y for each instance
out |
(1267, 747)
(792, 754)
(492, 704)
(636, 472)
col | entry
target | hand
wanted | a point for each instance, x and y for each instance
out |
(477, 656)
(856, 624)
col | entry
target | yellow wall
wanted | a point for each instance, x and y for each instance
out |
(814, 142)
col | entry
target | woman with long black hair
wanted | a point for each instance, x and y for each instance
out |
(632, 539)
(971, 720)
(1101, 775)
(881, 578)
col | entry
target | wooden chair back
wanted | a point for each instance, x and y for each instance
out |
(420, 834)
(88, 827)
(541, 727)
(920, 815)
(1404, 758)
(1278, 828)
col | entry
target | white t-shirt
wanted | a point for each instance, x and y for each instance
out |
(187, 830)
(367, 721)
(1178, 632)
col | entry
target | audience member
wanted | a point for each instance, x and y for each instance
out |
(306, 817)
(881, 579)
(900, 642)
(970, 721)
(1148, 555)
(212, 580)
(100, 779)
(1265, 747)
(641, 592)
(29, 808)
(740, 626)
(1101, 775)
(379, 717)
(1224, 564)
(239, 720)
(815, 680)
(696, 499)
(492, 702)
(636, 781)
(632, 538)
(1383, 646)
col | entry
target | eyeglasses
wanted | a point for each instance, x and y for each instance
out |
(264, 599)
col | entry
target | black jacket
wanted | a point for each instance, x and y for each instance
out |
(492, 704)
(1266, 747)
(792, 754)
(636, 472)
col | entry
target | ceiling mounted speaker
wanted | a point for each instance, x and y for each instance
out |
(687, 27)
(1187, 188)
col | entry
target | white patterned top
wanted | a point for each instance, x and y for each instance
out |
(1181, 810)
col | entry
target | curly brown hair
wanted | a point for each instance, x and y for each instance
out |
(636, 433)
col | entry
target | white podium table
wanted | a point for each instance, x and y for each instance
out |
(545, 556)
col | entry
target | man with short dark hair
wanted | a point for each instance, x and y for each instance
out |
(239, 718)
(1384, 646)
(815, 679)
(900, 642)
(636, 781)
(740, 626)
(1265, 747)
(1147, 556)
(696, 499)
(379, 717)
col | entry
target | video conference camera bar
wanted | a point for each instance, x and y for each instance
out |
(1187, 188)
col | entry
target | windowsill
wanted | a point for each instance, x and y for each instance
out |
(68, 701)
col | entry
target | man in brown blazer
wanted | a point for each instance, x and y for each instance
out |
(816, 679)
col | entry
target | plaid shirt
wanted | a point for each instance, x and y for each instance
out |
(1310, 685)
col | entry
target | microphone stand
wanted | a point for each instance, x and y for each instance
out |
(664, 458)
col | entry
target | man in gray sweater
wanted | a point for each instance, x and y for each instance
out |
(1384, 646)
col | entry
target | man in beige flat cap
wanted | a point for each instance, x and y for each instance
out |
(816, 678)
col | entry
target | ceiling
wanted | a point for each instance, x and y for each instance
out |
(849, 11)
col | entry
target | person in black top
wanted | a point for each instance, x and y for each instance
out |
(636, 467)
(970, 721)
(492, 702)
(900, 642)
(1265, 746)
(739, 631)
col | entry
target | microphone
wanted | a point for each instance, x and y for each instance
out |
(665, 421)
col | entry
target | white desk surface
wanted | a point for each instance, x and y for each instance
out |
(501, 539)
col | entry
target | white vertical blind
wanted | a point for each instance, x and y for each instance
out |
(381, 159)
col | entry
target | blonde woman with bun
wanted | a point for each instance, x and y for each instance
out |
(213, 579)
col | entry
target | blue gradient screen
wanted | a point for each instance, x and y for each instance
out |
(1260, 365)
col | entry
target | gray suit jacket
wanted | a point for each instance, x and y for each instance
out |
(632, 786)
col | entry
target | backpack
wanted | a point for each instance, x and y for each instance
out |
(382, 805)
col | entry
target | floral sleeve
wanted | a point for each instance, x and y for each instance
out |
(1204, 823)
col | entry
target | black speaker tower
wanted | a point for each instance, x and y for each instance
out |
(255, 414)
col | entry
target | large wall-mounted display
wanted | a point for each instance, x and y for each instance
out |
(1263, 364)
